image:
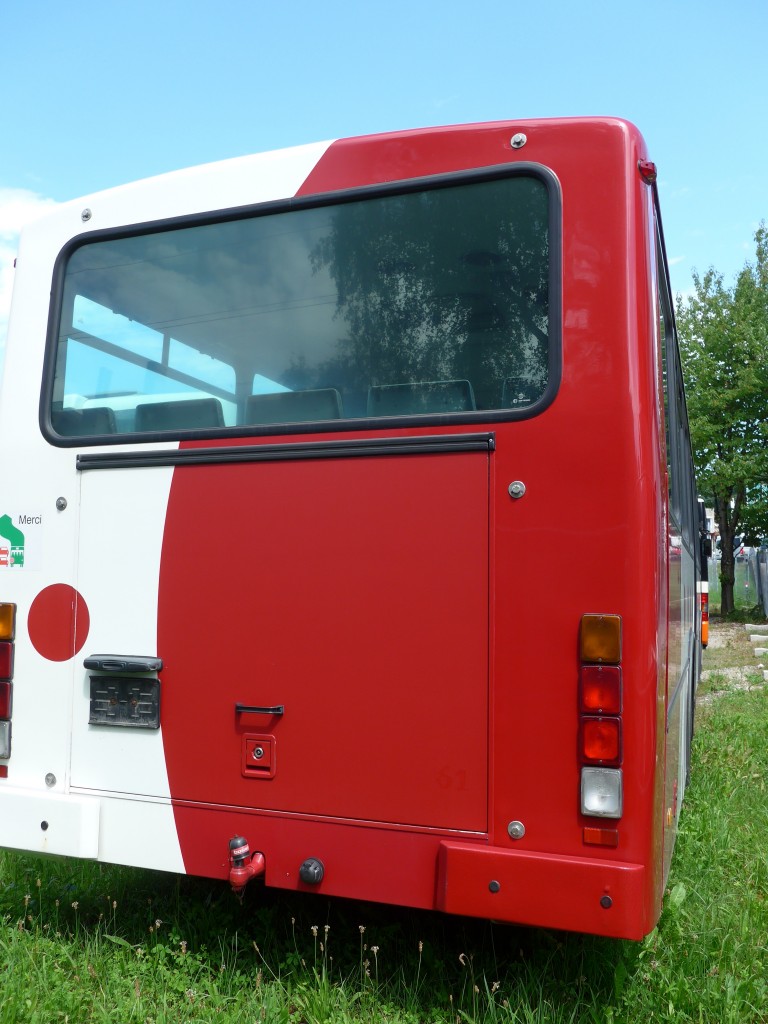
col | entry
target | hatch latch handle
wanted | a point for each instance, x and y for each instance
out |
(123, 663)
(258, 709)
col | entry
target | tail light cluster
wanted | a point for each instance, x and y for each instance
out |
(600, 723)
(704, 613)
(7, 645)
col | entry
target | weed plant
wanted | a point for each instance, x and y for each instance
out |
(83, 942)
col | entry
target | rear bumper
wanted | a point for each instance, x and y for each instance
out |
(49, 823)
(464, 877)
(545, 890)
(582, 894)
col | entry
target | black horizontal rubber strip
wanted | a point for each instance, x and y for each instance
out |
(366, 448)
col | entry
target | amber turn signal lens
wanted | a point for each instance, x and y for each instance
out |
(7, 621)
(600, 639)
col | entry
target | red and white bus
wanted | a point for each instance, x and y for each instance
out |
(355, 526)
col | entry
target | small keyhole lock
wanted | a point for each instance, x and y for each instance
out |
(257, 759)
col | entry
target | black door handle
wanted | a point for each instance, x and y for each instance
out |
(257, 709)
(123, 663)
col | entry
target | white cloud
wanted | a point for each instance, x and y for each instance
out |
(18, 206)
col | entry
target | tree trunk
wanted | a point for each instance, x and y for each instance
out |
(727, 509)
(727, 575)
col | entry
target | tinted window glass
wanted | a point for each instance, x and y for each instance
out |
(415, 304)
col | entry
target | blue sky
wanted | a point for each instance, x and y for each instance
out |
(98, 93)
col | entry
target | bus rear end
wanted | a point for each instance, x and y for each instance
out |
(338, 486)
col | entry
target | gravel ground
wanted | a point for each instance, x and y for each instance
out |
(724, 636)
(721, 634)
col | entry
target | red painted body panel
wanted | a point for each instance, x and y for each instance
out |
(420, 626)
(386, 865)
(354, 593)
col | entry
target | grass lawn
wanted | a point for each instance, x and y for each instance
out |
(83, 942)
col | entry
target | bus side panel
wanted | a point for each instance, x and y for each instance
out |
(682, 666)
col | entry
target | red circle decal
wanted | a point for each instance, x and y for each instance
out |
(58, 622)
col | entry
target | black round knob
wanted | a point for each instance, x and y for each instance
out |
(311, 871)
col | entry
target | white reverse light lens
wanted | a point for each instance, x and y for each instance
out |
(5, 739)
(601, 792)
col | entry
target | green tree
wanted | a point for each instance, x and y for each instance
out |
(723, 335)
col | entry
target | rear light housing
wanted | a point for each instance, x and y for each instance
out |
(600, 706)
(7, 646)
(648, 171)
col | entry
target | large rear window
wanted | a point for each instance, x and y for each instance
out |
(408, 306)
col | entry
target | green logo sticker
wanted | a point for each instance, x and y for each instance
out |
(11, 544)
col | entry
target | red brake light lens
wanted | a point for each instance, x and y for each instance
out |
(6, 660)
(600, 689)
(5, 700)
(601, 740)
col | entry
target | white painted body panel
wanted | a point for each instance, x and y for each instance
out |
(118, 573)
(104, 543)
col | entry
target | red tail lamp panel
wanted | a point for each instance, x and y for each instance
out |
(6, 660)
(600, 689)
(5, 700)
(601, 740)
